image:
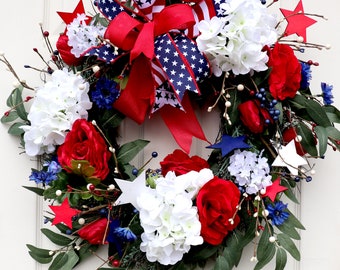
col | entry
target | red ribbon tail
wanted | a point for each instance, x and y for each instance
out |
(137, 97)
(183, 125)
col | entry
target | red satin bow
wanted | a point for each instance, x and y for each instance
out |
(137, 37)
(138, 96)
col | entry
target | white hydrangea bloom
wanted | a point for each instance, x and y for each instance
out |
(55, 107)
(250, 170)
(235, 42)
(168, 217)
(82, 36)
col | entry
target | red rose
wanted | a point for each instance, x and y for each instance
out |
(253, 116)
(284, 79)
(94, 232)
(84, 142)
(65, 51)
(216, 203)
(181, 163)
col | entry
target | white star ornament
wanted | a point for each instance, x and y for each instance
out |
(287, 157)
(131, 190)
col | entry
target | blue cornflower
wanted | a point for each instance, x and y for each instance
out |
(306, 75)
(327, 93)
(277, 213)
(48, 174)
(105, 93)
(125, 234)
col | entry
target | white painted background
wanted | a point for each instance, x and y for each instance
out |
(20, 210)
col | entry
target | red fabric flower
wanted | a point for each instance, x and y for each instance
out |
(284, 79)
(253, 116)
(216, 204)
(94, 232)
(84, 142)
(65, 51)
(181, 163)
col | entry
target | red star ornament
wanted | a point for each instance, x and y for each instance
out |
(274, 189)
(63, 213)
(69, 17)
(297, 21)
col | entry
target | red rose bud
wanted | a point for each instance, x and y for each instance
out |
(253, 116)
(65, 51)
(181, 163)
(84, 142)
(285, 76)
(94, 232)
(217, 203)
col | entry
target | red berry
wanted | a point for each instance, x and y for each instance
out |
(91, 187)
(46, 33)
(28, 98)
(35, 49)
(116, 263)
(6, 113)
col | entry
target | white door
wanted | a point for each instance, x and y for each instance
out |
(20, 210)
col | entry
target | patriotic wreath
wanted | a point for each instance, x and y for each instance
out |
(135, 59)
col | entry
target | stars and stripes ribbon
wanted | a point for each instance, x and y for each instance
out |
(160, 55)
(204, 10)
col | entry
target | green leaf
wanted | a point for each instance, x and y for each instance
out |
(221, 264)
(62, 227)
(289, 192)
(265, 247)
(333, 133)
(333, 113)
(42, 253)
(321, 133)
(289, 229)
(281, 259)
(12, 115)
(71, 261)
(233, 250)
(42, 260)
(288, 245)
(308, 141)
(129, 150)
(56, 238)
(204, 253)
(294, 221)
(86, 250)
(317, 113)
(15, 129)
(233, 109)
(298, 102)
(279, 107)
(112, 119)
(127, 168)
(13, 96)
(266, 259)
(15, 101)
(36, 190)
(59, 261)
